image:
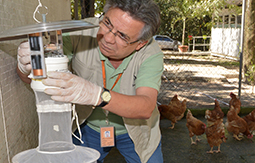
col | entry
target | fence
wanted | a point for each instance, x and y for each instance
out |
(200, 41)
(202, 78)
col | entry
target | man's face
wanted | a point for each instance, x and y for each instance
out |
(125, 28)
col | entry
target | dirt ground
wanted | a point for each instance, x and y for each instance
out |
(200, 79)
(176, 147)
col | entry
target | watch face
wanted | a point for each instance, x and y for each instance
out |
(106, 96)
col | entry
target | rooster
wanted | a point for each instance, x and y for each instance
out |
(236, 124)
(195, 126)
(235, 102)
(174, 111)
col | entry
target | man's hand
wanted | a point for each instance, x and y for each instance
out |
(71, 88)
(24, 61)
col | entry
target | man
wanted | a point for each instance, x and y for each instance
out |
(118, 69)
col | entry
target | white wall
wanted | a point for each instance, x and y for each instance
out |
(226, 34)
(226, 41)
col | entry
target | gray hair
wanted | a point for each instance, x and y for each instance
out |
(145, 11)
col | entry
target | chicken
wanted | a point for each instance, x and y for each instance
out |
(235, 102)
(174, 111)
(175, 101)
(236, 124)
(213, 115)
(179, 107)
(250, 120)
(195, 126)
(215, 134)
(167, 112)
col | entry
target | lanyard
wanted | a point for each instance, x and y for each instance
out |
(104, 81)
(104, 76)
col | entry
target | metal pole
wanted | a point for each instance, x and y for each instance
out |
(241, 50)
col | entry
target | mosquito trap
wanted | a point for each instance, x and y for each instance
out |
(55, 118)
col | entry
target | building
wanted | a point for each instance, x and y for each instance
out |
(226, 33)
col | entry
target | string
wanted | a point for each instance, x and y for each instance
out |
(36, 11)
(75, 117)
(5, 132)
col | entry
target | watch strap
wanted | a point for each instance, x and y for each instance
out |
(102, 104)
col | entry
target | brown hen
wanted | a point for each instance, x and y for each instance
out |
(215, 134)
(213, 115)
(195, 126)
(235, 102)
(250, 120)
(174, 111)
(236, 124)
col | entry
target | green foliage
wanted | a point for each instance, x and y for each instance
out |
(250, 74)
(73, 8)
(166, 18)
(187, 17)
(196, 14)
(99, 4)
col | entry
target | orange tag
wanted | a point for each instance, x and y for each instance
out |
(107, 136)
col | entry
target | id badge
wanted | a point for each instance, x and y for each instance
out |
(107, 136)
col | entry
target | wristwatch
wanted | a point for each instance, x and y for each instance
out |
(105, 97)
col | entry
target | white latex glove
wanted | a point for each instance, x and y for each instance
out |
(24, 61)
(71, 88)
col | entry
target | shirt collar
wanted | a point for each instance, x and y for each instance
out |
(123, 65)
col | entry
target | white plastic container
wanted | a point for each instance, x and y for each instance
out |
(52, 64)
(55, 135)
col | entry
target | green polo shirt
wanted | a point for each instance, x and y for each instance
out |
(147, 77)
(98, 116)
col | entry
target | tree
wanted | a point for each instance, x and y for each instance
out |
(195, 9)
(87, 8)
(166, 18)
(249, 41)
(183, 12)
(81, 9)
(188, 13)
(75, 9)
(99, 5)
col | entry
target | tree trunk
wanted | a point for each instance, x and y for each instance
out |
(183, 31)
(76, 17)
(87, 8)
(249, 36)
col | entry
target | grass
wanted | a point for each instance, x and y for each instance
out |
(201, 112)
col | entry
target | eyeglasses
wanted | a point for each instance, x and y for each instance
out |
(121, 38)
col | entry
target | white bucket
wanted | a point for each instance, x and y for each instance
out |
(52, 64)
(56, 63)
